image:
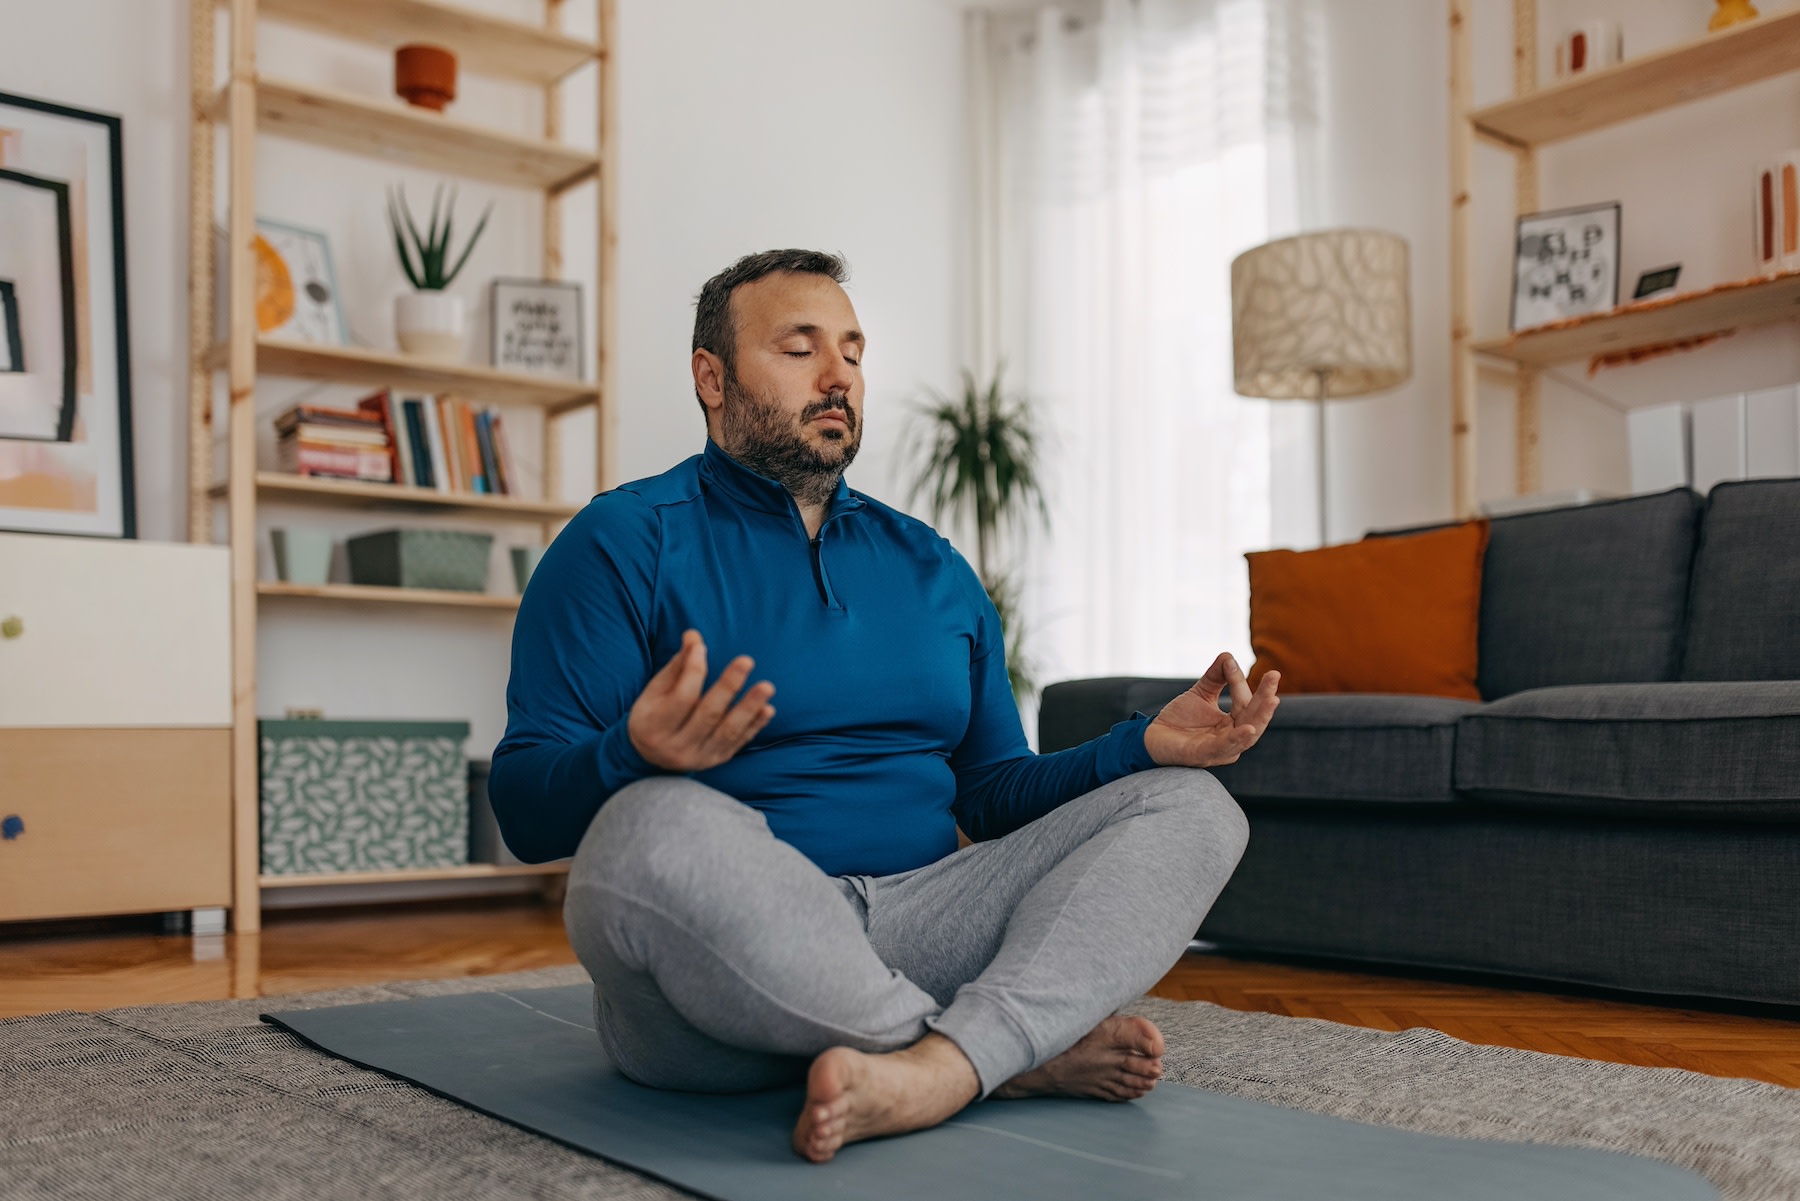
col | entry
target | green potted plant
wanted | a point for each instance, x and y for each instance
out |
(977, 457)
(429, 321)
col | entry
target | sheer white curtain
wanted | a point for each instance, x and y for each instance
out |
(1123, 154)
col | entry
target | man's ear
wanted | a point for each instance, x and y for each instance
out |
(709, 380)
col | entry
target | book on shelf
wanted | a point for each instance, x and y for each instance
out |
(442, 443)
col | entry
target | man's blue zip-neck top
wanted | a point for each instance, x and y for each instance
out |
(894, 721)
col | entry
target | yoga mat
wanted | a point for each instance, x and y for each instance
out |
(530, 1057)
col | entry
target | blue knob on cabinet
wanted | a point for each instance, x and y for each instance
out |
(12, 827)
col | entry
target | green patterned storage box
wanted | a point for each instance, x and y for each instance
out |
(448, 559)
(357, 796)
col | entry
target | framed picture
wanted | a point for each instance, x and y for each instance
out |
(536, 327)
(296, 288)
(1566, 264)
(12, 349)
(1657, 279)
(38, 405)
(65, 345)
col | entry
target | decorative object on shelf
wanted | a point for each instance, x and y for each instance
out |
(301, 556)
(1589, 46)
(535, 327)
(296, 287)
(425, 76)
(1776, 208)
(428, 321)
(978, 465)
(1657, 279)
(12, 347)
(342, 796)
(1320, 316)
(1731, 12)
(65, 403)
(524, 561)
(454, 560)
(1566, 264)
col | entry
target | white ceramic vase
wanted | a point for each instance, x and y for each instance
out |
(430, 325)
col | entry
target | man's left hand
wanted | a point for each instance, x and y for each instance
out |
(1192, 731)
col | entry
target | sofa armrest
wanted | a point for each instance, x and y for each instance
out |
(1074, 711)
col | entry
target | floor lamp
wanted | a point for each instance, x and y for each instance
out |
(1321, 316)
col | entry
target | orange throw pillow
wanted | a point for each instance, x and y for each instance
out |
(1380, 615)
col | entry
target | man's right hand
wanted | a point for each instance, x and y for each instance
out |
(679, 730)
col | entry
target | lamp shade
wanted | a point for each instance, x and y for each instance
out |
(1329, 308)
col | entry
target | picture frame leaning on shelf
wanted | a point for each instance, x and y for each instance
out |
(535, 327)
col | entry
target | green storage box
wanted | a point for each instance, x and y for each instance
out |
(450, 559)
(356, 796)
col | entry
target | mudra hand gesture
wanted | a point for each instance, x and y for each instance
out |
(1192, 731)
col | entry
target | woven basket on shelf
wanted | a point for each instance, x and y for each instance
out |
(449, 559)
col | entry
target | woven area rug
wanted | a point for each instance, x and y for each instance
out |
(205, 1100)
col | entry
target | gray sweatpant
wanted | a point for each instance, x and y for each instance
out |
(724, 960)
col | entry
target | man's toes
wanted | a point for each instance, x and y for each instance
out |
(1141, 1035)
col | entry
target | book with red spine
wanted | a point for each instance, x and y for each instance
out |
(381, 405)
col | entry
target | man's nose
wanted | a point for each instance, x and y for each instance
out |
(837, 374)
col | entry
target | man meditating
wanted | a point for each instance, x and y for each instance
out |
(766, 884)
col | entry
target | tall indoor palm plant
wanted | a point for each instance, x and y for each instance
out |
(978, 465)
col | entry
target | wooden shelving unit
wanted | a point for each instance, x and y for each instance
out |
(1707, 66)
(1653, 322)
(381, 128)
(299, 489)
(391, 596)
(387, 369)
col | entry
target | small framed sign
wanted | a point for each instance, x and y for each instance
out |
(536, 327)
(1658, 279)
(1566, 264)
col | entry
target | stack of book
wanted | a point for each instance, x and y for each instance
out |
(437, 442)
(345, 444)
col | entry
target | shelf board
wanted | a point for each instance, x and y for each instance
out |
(482, 44)
(413, 136)
(281, 485)
(1719, 62)
(414, 875)
(404, 373)
(1654, 321)
(404, 596)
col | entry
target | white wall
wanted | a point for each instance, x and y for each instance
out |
(1682, 176)
(786, 122)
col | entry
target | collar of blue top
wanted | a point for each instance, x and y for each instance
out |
(759, 492)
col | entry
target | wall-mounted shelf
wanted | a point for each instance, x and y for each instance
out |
(277, 486)
(1743, 54)
(400, 596)
(1653, 322)
(482, 44)
(415, 138)
(406, 373)
(415, 875)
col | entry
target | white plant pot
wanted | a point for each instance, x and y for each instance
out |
(430, 325)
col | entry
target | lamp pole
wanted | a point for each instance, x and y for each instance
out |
(1321, 374)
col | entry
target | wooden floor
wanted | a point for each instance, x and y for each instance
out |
(41, 972)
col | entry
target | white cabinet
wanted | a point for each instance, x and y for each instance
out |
(115, 726)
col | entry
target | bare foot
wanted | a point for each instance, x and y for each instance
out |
(1118, 1060)
(851, 1096)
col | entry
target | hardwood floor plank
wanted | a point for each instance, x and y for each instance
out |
(300, 951)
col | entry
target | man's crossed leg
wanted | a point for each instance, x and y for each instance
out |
(724, 960)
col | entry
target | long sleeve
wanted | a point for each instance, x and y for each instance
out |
(580, 657)
(1001, 784)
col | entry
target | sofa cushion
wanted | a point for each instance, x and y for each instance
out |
(1590, 594)
(1744, 609)
(1352, 747)
(1654, 750)
(1387, 615)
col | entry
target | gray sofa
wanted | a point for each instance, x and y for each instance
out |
(1621, 810)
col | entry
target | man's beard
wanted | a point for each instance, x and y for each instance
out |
(759, 433)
